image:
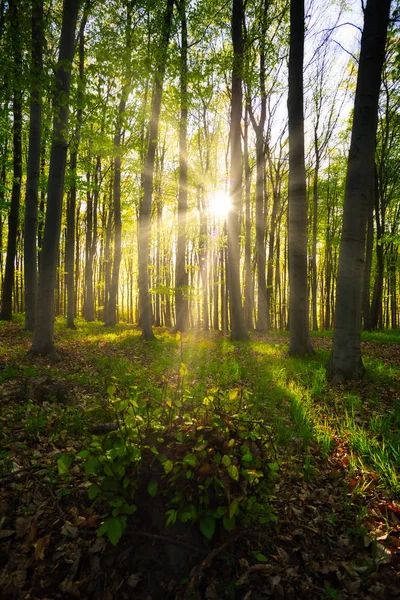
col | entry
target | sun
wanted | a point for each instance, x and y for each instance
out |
(220, 204)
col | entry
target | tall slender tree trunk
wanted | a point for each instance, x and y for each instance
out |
(13, 217)
(111, 308)
(238, 326)
(248, 281)
(147, 179)
(71, 198)
(43, 342)
(345, 362)
(300, 343)
(33, 168)
(181, 282)
(366, 294)
(314, 287)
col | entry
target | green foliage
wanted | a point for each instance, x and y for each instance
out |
(209, 462)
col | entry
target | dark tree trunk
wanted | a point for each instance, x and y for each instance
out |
(300, 343)
(147, 180)
(43, 342)
(238, 326)
(13, 217)
(71, 199)
(181, 281)
(88, 306)
(33, 168)
(345, 361)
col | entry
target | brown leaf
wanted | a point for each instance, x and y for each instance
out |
(30, 538)
(21, 525)
(41, 546)
(6, 533)
(91, 522)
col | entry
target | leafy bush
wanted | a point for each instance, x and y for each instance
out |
(208, 462)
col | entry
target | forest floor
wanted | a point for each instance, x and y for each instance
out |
(327, 458)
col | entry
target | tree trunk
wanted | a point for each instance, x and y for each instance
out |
(345, 362)
(314, 288)
(33, 168)
(147, 179)
(43, 342)
(366, 294)
(248, 282)
(300, 343)
(13, 218)
(181, 282)
(71, 199)
(111, 307)
(238, 326)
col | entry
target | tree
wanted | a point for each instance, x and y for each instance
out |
(148, 176)
(300, 343)
(111, 308)
(43, 342)
(238, 326)
(345, 362)
(180, 270)
(13, 217)
(71, 198)
(262, 317)
(33, 168)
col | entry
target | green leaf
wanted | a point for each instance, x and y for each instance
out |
(183, 370)
(172, 515)
(63, 463)
(226, 460)
(190, 459)
(83, 453)
(207, 526)
(168, 466)
(152, 488)
(115, 528)
(220, 512)
(91, 465)
(247, 457)
(229, 524)
(233, 508)
(111, 390)
(259, 556)
(93, 491)
(233, 472)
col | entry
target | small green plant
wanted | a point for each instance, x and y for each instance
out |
(209, 461)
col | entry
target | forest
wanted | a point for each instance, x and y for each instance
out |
(199, 319)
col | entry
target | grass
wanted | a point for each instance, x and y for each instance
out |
(291, 394)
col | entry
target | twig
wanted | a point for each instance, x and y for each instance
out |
(19, 471)
(198, 572)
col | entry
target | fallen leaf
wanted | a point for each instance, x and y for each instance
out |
(134, 579)
(6, 533)
(41, 546)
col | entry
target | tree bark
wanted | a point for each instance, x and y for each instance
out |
(147, 179)
(238, 326)
(181, 281)
(346, 362)
(33, 168)
(43, 342)
(300, 343)
(13, 217)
